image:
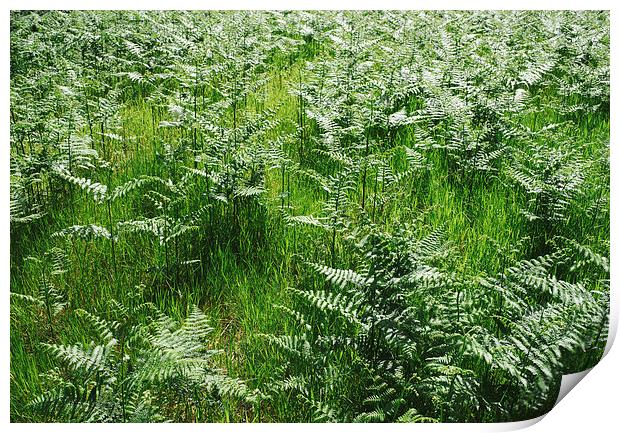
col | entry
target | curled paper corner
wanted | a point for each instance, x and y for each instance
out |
(613, 326)
(569, 381)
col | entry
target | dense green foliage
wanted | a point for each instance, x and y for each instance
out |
(306, 216)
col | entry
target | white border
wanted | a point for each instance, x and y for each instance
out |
(592, 406)
(310, 4)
